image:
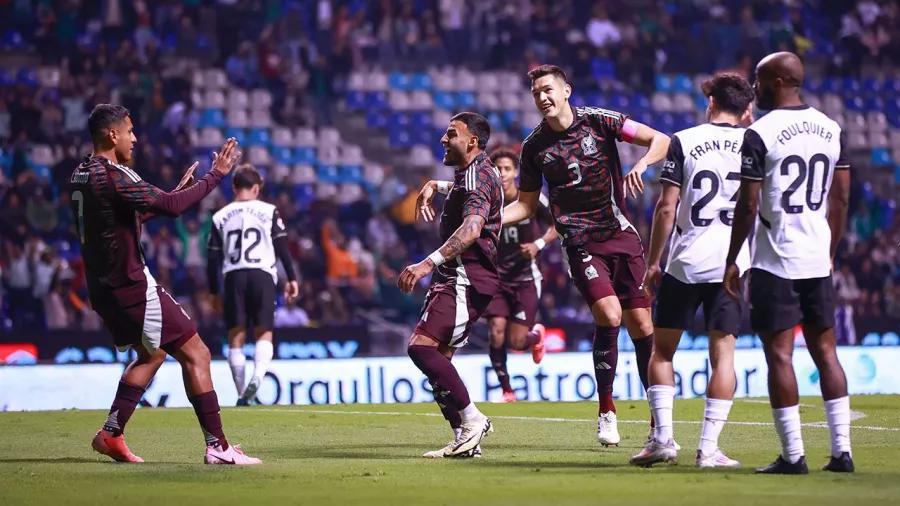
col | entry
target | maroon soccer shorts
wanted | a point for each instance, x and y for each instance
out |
(517, 303)
(451, 308)
(155, 321)
(614, 267)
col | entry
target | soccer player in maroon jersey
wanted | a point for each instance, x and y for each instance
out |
(466, 279)
(110, 202)
(520, 278)
(574, 149)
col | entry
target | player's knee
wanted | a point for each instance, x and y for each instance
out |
(609, 318)
(497, 331)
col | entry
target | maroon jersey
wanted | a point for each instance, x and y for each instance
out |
(476, 191)
(583, 171)
(109, 202)
(513, 267)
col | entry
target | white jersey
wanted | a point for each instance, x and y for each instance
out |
(705, 162)
(794, 152)
(245, 232)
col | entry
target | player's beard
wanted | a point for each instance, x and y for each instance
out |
(125, 157)
(765, 100)
(453, 158)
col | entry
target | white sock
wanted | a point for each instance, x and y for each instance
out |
(787, 423)
(469, 412)
(837, 411)
(662, 399)
(262, 359)
(236, 360)
(714, 417)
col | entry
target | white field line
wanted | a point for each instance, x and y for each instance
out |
(529, 418)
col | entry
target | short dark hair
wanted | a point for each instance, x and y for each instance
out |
(731, 91)
(505, 153)
(548, 70)
(104, 117)
(245, 176)
(477, 124)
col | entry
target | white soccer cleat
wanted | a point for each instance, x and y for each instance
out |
(472, 433)
(608, 429)
(651, 436)
(717, 459)
(233, 456)
(655, 453)
(444, 452)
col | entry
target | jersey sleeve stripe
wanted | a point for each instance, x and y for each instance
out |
(751, 178)
(670, 181)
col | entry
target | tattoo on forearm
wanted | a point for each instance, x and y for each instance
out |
(463, 238)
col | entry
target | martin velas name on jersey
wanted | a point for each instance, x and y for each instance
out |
(804, 128)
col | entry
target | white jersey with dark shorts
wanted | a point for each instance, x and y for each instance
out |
(793, 152)
(245, 233)
(705, 163)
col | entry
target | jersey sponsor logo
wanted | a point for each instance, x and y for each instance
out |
(591, 273)
(589, 145)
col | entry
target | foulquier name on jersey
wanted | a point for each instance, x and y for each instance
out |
(714, 146)
(805, 128)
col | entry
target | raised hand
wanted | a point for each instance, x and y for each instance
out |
(633, 182)
(224, 160)
(188, 178)
(423, 202)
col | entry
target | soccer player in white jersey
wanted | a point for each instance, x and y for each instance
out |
(702, 170)
(247, 237)
(793, 157)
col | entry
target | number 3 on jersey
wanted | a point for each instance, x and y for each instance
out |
(577, 169)
(234, 245)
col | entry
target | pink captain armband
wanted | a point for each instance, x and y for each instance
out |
(629, 130)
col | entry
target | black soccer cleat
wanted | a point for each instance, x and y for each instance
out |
(781, 466)
(243, 402)
(842, 464)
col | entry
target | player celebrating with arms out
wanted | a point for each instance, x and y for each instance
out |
(110, 201)
(796, 157)
(702, 169)
(253, 237)
(574, 149)
(520, 275)
(466, 278)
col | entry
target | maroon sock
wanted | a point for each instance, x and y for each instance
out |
(206, 406)
(127, 398)
(531, 339)
(451, 414)
(498, 362)
(642, 350)
(606, 358)
(440, 371)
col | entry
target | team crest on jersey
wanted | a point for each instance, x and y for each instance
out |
(591, 273)
(589, 145)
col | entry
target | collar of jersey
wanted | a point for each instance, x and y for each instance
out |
(800, 107)
(724, 125)
(474, 163)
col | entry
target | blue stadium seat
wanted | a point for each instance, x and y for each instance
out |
(684, 121)
(831, 85)
(328, 173)
(239, 134)
(377, 119)
(701, 343)
(619, 102)
(874, 104)
(510, 117)
(42, 172)
(27, 77)
(444, 100)
(645, 118)
(603, 69)
(744, 342)
(682, 84)
(896, 173)
(425, 136)
(872, 339)
(855, 104)
(881, 157)
(890, 339)
(871, 86)
(686, 342)
(664, 83)
(399, 119)
(851, 86)
(421, 81)
(259, 137)
(283, 155)
(304, 194)
(890, 88)
(495, 120)
(399, 81)
(6, 77)
(376, 100)
(437, 150)
(577, 100)
(356, 100)
(640, 102)
(664, 123)
(594, 99)
(420, 120)
(465, 100)
(306, 156)
(351, 174)
(399, 138)
(211, 118)
(814, 85)
(13, 40)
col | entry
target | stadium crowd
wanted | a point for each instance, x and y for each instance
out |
(349, 255)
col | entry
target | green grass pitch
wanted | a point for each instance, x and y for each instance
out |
(540, 453)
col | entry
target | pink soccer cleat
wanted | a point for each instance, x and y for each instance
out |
(113, 447)
(507, 397)
(232, 456)
(538, 350)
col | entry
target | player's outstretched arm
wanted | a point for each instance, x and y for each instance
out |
(522, 209)
(424, 209)
(282, 251)
(460, 241)
(663, 223)
(176, 203)
(838, 202)
(531, 250)
(657, 144)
